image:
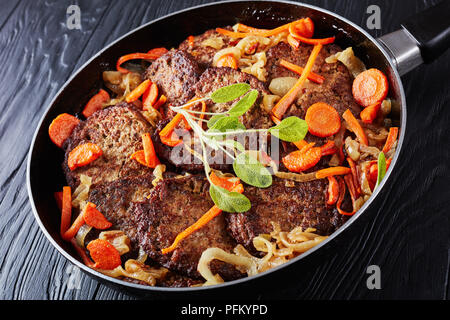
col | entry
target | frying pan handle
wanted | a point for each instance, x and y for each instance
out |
(423, 38)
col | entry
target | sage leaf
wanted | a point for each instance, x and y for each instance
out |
(251, 171)
(227, 123)
(229, 93)
(381, 167)
(243, 105)
(214, 119)
(229, 201)
(290, 129)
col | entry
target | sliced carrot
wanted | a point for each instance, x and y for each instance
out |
(306, 27)
(162, 99)
(58, 198)
(301, 32)
(138, 91)
(204, 219)
(151, 159)
(86, 260)
(392, 137)
(83, 154)
(303, 159)
(96, 103)
(151, 55)
(104, 254)
(283, 104)
(66, 211)
(328, 148)
(226, 183)
(354, 176)
(139, 156)
(332, 191)
(150, 96)
(157, 52)
(72, 231)
(370, 113)
(171, 139)
(332, 171)
(61, 128)
(370, 87)
(227, 60)
(355, 126)
(298, 70)
(95, 218)
(323, 120)
(190, 41)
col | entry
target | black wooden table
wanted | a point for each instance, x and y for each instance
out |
(406, 234)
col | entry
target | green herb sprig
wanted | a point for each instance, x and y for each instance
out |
(225, 124)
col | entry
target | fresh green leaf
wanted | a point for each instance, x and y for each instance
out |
(244, 104)
(251, 171)
(214, 119)
(227, 123)
(229, 201)
(381, 168)
(229, 93)
(290, 129)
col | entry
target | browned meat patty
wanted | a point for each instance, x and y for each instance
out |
(174, 205)
(117, 131)
(113, 200)
(301, 205)
(175, 73)
(202, 49)
(336, 90)
(214, 78)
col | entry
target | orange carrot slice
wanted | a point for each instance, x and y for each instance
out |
(86, 260)
(355, 126)
(96, 103)
(139, 156)
(191, 41)
(61, 128)
(72, 231)
(332, 191)
(150, 96)
(226, 183)
(66, 211)
(104, 254)
(303, 159)
(138, 91)
(332, 171)
(95, 218)
(370, 87)
(283, 104)
(204, 219)
(323, 120)
(151, 55)
(370, 113)
(83, 155)
(227, 60)
(151, 158)
(162, 99)
(298, 70)
(392, 137)
(244, 28)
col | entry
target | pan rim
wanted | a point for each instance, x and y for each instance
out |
(248, 278)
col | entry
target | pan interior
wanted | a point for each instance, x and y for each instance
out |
(45, 174)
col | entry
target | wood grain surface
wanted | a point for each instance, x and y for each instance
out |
(406, 233)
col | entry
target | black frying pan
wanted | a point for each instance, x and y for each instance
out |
(421, 39)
